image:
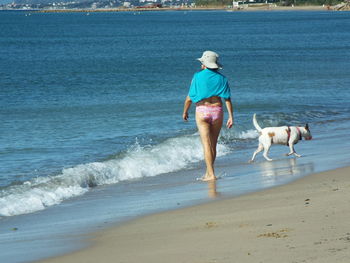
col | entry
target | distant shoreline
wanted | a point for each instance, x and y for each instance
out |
(263, 7)
(242, 8)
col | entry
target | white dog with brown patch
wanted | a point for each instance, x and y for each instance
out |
(285, 135)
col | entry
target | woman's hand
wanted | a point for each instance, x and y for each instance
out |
(229, 123)
(185, 116)
(230, 113)
(187, 105)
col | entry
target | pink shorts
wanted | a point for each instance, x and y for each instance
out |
(210, 113)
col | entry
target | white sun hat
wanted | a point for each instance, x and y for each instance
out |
(210, 60)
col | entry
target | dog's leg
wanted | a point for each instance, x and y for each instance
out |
(266, 151)
(292, 151)
(297, 155)
(260, 148)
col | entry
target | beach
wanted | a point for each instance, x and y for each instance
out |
(94, 148)
(304, 221)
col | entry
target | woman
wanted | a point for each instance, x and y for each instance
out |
(207, 90)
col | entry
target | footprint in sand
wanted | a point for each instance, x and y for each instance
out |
(277, 234)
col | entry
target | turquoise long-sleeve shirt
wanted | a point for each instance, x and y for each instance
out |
(208, 83)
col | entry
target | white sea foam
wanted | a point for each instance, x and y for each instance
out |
(139, 161)
(232, 135)
(249, 134)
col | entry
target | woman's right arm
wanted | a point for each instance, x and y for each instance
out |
(230, 113)
(187, 105)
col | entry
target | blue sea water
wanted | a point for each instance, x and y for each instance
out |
(90, 106)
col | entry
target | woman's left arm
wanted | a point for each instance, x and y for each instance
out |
(230, 112)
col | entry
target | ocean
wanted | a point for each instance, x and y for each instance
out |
(91, 130)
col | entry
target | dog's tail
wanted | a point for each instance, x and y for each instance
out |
(256, 125)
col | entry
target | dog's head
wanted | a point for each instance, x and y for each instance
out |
(307, 134)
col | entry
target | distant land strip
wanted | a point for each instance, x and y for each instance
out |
(130, 9)
(263, 7)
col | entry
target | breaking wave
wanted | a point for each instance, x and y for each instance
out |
(137, 162)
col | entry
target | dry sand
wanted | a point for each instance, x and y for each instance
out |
(305, 221)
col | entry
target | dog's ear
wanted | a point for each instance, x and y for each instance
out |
(307, 126)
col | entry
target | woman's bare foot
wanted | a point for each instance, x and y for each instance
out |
(206, 178)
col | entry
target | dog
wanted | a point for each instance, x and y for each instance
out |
(285, 135)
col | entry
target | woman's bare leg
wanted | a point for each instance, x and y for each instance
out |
(204, 132)
(209, 134)
(215, 132)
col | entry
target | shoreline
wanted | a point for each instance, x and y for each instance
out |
(262, 7)
(302, 220)
(243, 8)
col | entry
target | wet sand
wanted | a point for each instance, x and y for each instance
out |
(304, 221)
